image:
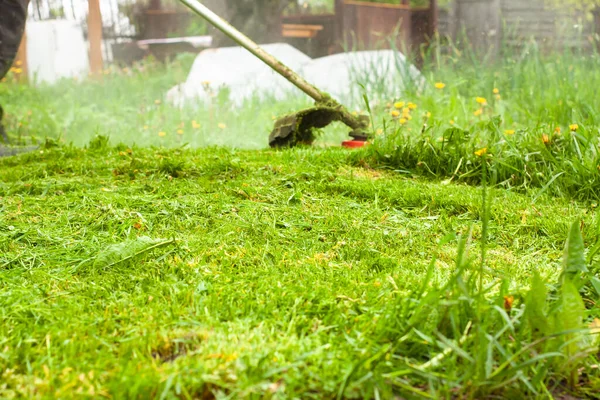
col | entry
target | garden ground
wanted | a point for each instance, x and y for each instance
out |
(133, 271)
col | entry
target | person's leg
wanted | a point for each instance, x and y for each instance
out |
(13, 14)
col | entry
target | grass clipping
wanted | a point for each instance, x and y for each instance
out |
(127, 251)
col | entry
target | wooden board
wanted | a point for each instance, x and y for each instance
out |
(300, 30)
(95, 36)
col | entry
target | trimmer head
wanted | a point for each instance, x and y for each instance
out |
(299, 128)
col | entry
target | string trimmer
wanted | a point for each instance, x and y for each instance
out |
(299, 127)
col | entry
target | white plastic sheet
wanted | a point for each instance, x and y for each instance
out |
(56, 49)
(345, 76)
(235, 69)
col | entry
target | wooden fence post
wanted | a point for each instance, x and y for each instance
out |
(95, 36)
(21, 59)
(339, 35)
(433, 17)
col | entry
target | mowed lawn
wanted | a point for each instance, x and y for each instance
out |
(455, 257)
(174, 273)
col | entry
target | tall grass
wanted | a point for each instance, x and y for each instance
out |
(129, 105)
(534, 113)
(488, 341)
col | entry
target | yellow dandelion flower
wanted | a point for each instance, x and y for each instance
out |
(399, 104)
(379, 131)
(573, 127)
(162, 134)
(412, 106)
(509, 132)
(477, 113)
(545, 138)
(481, 100)
(452, 122)
(440, 85)
(195, 125)
(428, 114)
(157, 102)
(496, 91)
(180, 131)
(402, 121)
(481, 152)
(145, 127)
(395, 113)
(222, 125)
(406, 110)
(557, 130)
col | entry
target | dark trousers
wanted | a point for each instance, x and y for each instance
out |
(13, 14)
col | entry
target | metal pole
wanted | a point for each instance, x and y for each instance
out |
(255, 49)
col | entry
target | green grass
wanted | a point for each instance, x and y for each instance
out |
(135, 264)
(539, 124)
(283, 274)
(129, 106)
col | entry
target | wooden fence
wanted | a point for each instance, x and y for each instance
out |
(363, 25)
(371, 25)
(493, 25)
